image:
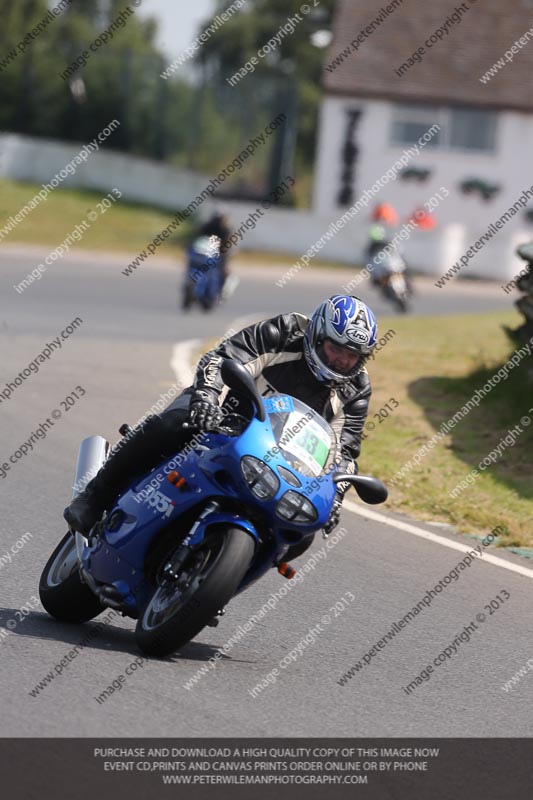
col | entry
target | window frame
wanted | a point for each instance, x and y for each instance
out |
(405, 113)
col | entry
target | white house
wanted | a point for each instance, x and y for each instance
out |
(393, 72)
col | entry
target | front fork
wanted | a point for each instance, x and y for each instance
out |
(211, 515)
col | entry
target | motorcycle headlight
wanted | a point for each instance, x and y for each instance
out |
(260, 479)
(294, 507)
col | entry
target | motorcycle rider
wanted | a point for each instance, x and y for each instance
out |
(218, 226)
(382, 253)
(378, 240)
(319, 360)
(384, 219)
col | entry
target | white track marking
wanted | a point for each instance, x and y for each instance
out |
(435, 538)
(181, 362)
(181, 359)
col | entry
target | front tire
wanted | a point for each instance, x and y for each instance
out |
(63, 593)
(187, 297)
(209, 301)
(403, 304)
(175, 614)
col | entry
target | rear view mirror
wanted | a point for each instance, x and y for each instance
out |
(239, 379)
(370, 490)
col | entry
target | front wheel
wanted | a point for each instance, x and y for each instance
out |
(187, 297)
(395, 291)
(208, 579)
(209, 300)
(63, 593)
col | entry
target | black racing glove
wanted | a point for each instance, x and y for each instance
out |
(204, 411)
(334, 517)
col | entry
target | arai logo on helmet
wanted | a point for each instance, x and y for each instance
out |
(358, 335)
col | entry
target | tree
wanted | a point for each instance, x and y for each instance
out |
(295, 58)
(120, 80)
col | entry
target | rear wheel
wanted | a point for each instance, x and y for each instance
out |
(210, 576)
(63, 593)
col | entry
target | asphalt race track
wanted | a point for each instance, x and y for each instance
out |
(120, 355)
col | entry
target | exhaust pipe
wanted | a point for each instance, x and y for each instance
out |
(92, 454)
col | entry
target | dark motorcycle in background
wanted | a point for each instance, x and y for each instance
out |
(524, 283)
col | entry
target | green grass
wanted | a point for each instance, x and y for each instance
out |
(432, 367)
(124, 227)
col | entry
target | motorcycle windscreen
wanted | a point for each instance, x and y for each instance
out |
(304, 438)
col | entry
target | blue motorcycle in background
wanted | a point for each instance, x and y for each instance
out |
(217, 517)
(203, 279)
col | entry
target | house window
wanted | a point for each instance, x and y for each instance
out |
(460, 129)
(472, 130)
(410, 123)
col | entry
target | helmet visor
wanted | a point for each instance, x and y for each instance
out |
(340, 360)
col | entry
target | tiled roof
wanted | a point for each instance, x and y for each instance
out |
(450, 70)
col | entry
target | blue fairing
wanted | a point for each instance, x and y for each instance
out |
(211, 470)
(205, 275)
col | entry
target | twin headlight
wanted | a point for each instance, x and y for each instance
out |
(294, 507)
(264, 483)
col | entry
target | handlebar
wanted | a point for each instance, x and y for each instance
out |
(229, 430)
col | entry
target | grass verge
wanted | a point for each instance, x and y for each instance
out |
(124, 227)
(432, 367)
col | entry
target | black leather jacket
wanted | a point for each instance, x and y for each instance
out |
(272, 352)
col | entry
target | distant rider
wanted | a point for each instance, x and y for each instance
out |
(218, 225)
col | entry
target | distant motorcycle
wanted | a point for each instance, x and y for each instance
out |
(389, 269)
(173, 555)
(203, 279)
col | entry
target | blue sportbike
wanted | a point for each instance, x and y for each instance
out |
(205, 524)
(203, 279)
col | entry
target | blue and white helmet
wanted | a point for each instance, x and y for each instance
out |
(347, 322)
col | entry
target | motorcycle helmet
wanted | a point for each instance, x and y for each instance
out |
(377, 234)
(342, 323)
